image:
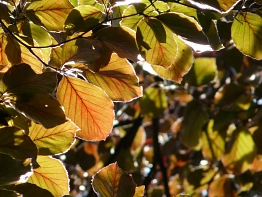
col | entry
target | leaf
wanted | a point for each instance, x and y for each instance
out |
(41, 108)
(186, 27)
(240, 152)
(202, 72)
(194, 118)
(245, 32)
(51, 15)
(82, 18)
(51, 176)
(139, 191)
(84, 51)
(14, 142)
(12, 170)
(7, 193)
(156, 42)
(181, 65)
(112, 181)
(117, 79)
(29, 190)
(153, 103)
(87, 106)
(53, 141)
(219, 5)
(125, 44)
(222, 186)
(21, 79)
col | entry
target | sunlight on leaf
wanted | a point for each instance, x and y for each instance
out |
(139, 191)
(87, 106)
(51, 176)
(222, 186)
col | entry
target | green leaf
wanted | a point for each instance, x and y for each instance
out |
(246, 34)
(202, 72)
(87, 106)
(156, 42)
(84, 51)
(82, 18)
(240, 152)
(53, 141)
(21, 79)
(51, 15)
(118, 12)
(186, 27)
(93, 3)
(41, 108)
(51, 176)
(112, 181)
(153, 103)
(29, 190)
(194, 118)
(125, 44)
(14, 142)
(12, 170)
(117, 79)
(181, 65)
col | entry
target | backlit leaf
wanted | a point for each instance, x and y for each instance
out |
(14, 142)
(51, 176)
(194, 118)
(139, 191)
(222, 186)
(181, 65)
(21, 79)
(12, 170)
(55, 140)
(240, 152)
(82, 18)
(184, 26)
(87, 106)
(203, 72)
(153, 103)
(156, 42)
(41, 108)
(50, 14)
(112, 181)
(125, 44)
(246, 34)
(117, 79)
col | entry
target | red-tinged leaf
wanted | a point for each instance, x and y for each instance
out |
(84, 51)
(41, 108)
(55, 140)
(87, 106)
(21, 79)
(14, 142)
(181, 65)
(139, 191)
(112, 181)
(156, 42)
(125, 44)
(117, 79)
(50, 14)
(51, 176)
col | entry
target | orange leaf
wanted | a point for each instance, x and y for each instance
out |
(87, 106)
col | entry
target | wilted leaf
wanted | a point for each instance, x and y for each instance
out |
(246, 34)
(156, 42)
(154, 102)
(14, 142)
(203, 72)
(195, 116)
(12, 170)
(21, 79)
(29, 190)
(87, 106)
(240, 152)
(125, 44)
(51, 15)
(51, 176)
(55, 140)
(117, 79)
(82, 18)
(41, 108)
(112, 181)
(181, 64)
(186, 27)
(222, 186)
